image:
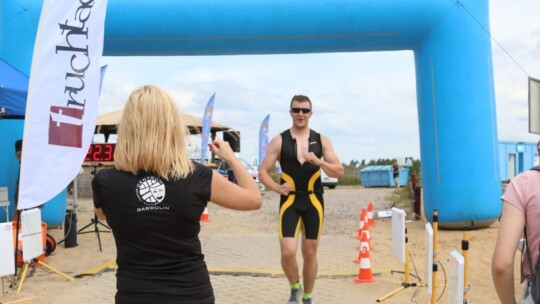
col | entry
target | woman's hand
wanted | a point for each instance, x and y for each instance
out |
(245, 195)
(222, 149)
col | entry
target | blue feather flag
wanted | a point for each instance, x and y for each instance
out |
(207, 122)
(263, 138)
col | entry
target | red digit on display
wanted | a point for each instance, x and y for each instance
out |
(108, 153)
(97, 153)
(89, 154)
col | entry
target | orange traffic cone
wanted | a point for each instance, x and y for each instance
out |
(364, 274)
(204, 216)
(364, 243)
(359, 236)
(368, 234)
(361, 224)
(370, 219)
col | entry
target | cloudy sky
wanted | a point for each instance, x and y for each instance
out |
(364, 102)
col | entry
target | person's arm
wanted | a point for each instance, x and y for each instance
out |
(502, 265)
(100, 214)
(242, 196)
(97, 199)
(329, 163)
(268, 163)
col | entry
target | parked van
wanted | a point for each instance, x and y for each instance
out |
(330, 182)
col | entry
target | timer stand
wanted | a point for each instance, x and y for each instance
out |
(95, 221)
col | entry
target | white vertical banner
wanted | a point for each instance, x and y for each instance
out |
(456, 278)
(534, 105)
(398, 234)
(429, 258)
(63, 93)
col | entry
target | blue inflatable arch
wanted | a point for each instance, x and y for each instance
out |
(452, 53)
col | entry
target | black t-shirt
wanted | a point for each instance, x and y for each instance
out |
(155, 224)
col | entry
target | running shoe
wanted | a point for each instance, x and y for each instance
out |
(307, 301)
(296, 293)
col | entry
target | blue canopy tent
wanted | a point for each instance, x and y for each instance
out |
(13, 93)
(13, 90)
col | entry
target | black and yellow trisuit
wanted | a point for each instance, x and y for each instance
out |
(304, 206)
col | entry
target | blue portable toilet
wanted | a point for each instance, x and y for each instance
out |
(382, 176)
(516, 157)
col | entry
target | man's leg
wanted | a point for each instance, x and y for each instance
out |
(311, 265)
(289, 247)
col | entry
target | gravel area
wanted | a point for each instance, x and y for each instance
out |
(342, 211)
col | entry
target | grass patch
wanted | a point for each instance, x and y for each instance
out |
(401, 198)
(350, 176)
(349, 181)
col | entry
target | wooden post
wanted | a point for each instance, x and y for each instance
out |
(417, 192)
(465, 254)
(435, 265)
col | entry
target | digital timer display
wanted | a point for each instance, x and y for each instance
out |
(100, 153)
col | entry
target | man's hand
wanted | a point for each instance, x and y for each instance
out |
(284, 189)
(313, 159)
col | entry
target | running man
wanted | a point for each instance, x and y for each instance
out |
(395, 171)
(301, 152)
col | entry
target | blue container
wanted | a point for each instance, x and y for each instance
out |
(382, 176)
(516, 157)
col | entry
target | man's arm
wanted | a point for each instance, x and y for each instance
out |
(268, 163)
(329, 163)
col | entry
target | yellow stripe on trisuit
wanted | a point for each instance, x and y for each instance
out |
(315, 201)
(288, 179)
(300, 225)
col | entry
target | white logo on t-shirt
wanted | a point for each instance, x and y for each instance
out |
(150, 190)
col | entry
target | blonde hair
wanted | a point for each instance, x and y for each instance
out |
(152, 135)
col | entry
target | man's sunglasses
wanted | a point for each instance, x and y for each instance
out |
(298, 110)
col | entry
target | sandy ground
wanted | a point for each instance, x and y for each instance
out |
(342, 209)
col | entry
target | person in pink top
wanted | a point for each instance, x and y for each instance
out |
(521, 209)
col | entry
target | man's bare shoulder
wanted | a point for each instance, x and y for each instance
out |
(325, 139)
(276, 139)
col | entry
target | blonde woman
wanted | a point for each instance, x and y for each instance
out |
(153, 199)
